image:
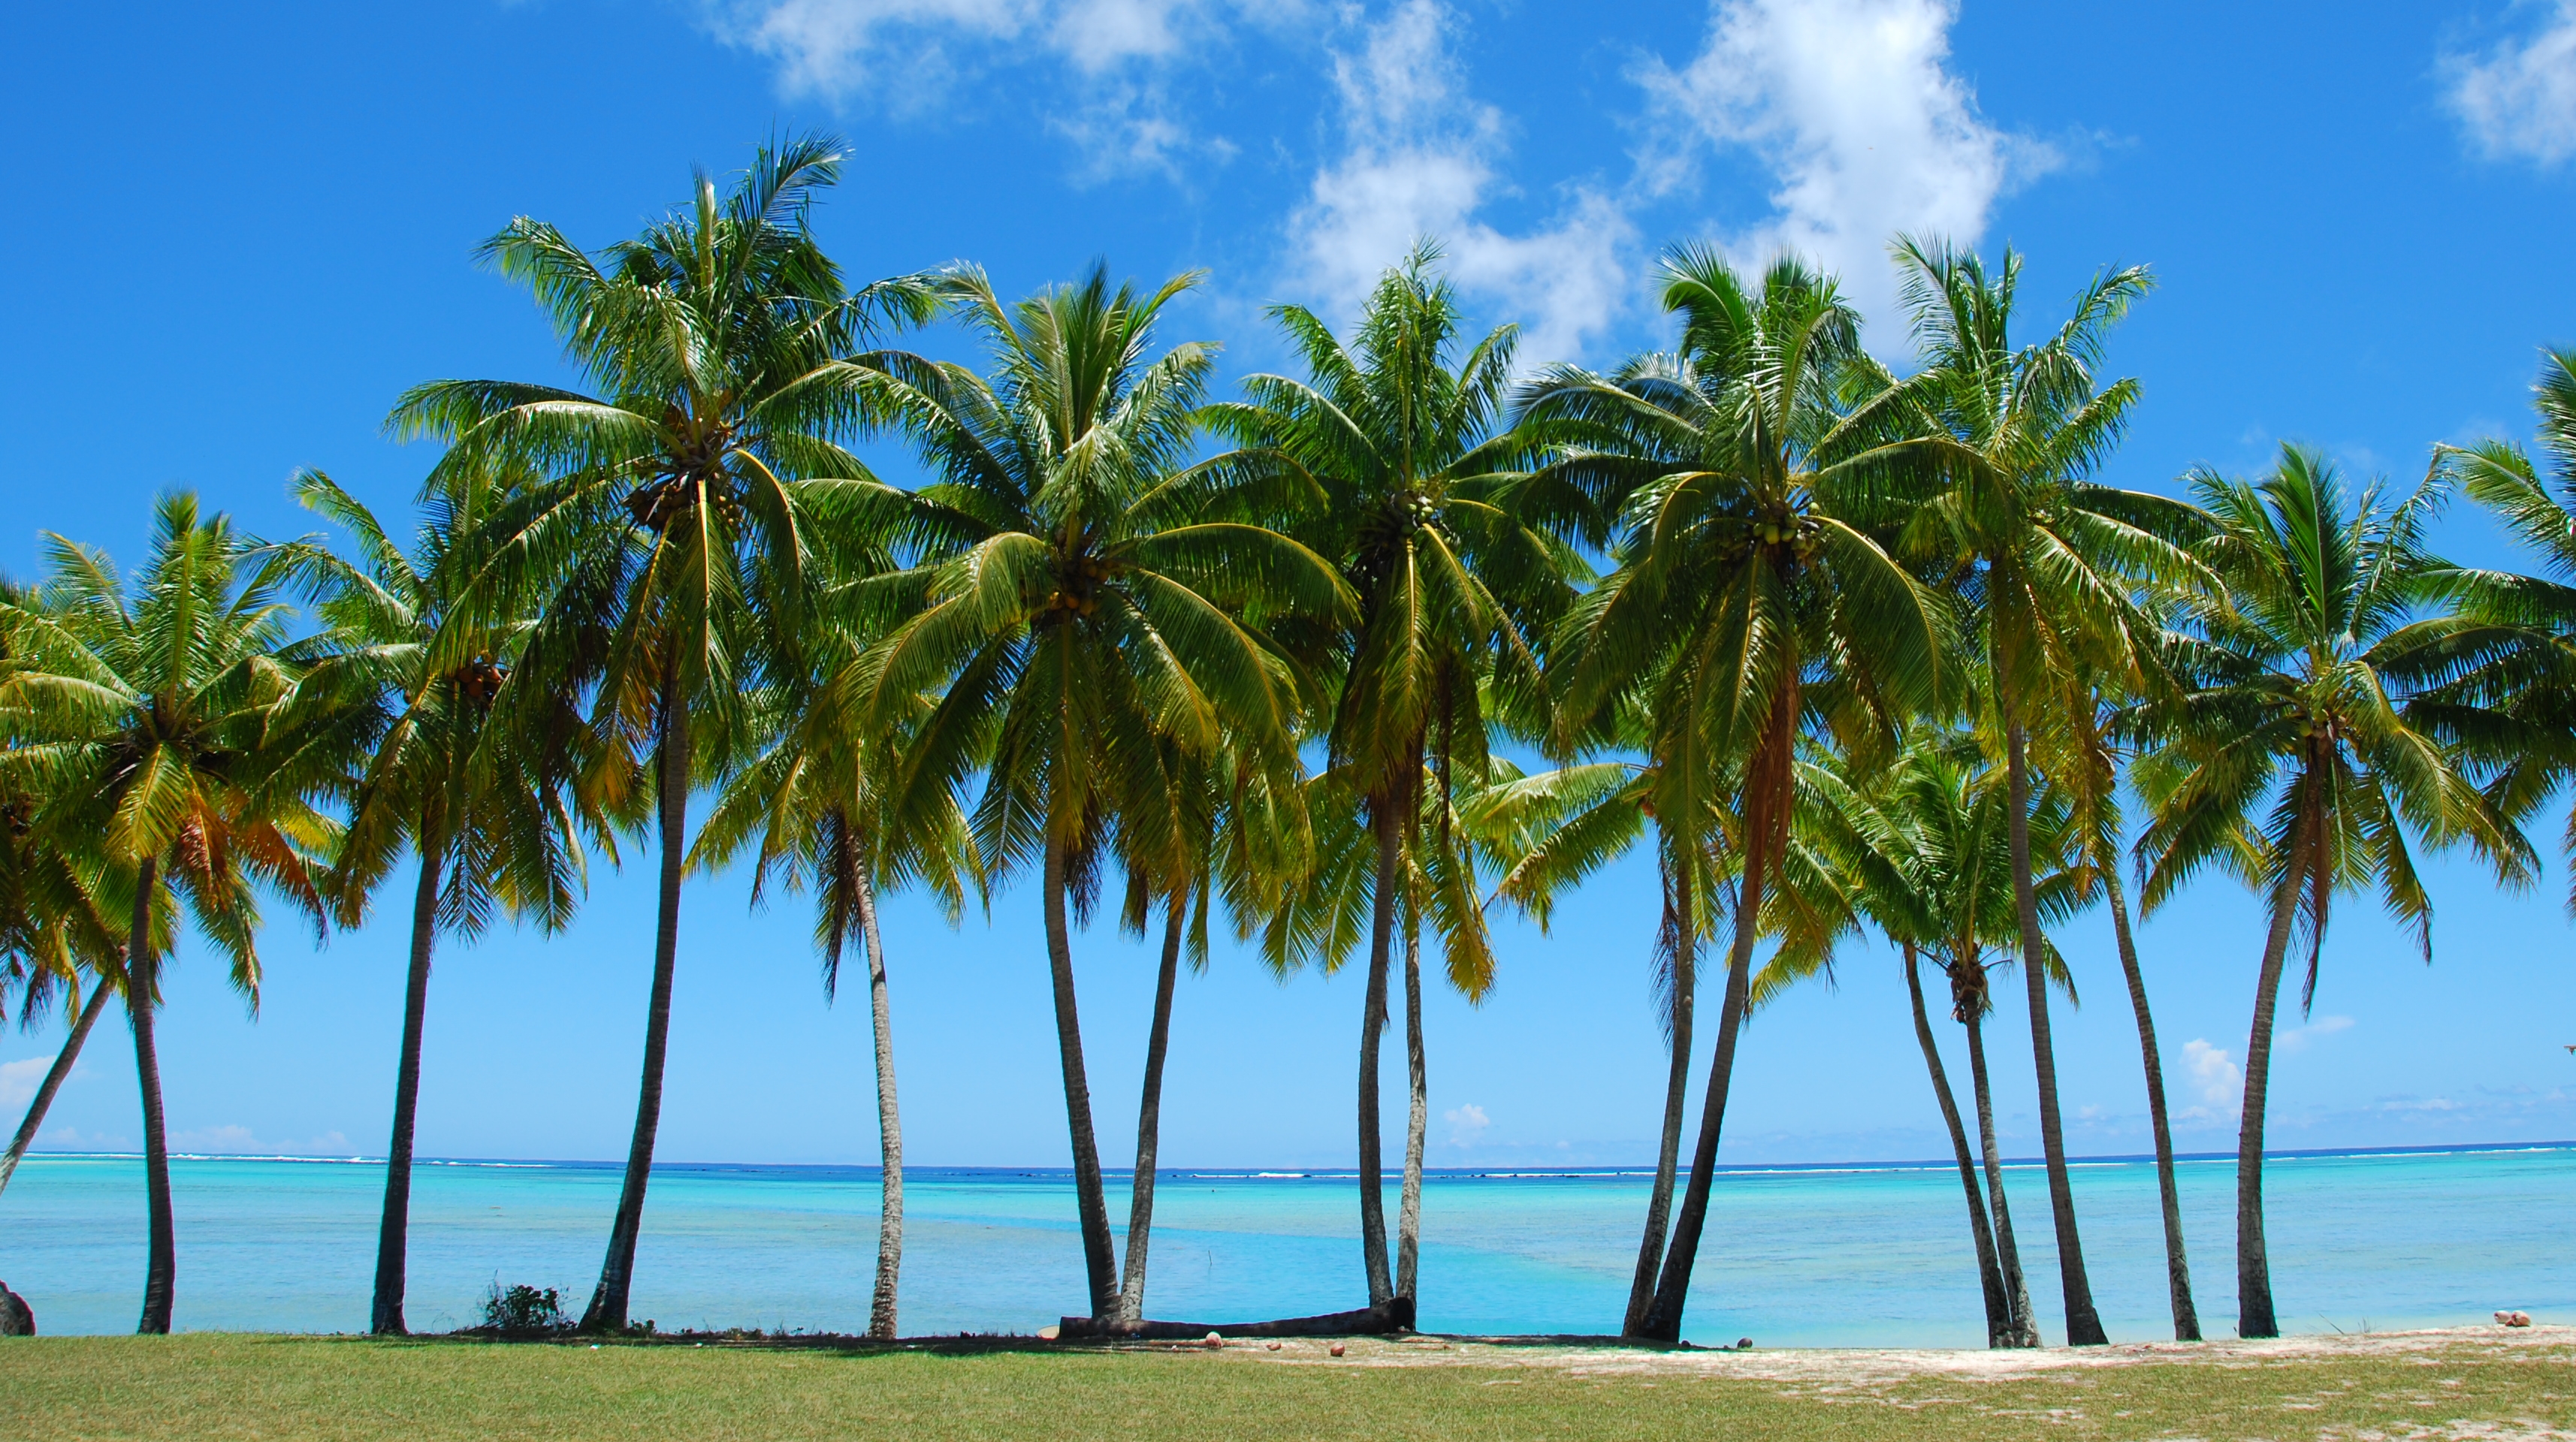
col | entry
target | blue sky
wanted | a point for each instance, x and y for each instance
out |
(237, 233)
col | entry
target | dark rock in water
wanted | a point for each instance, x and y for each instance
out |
(1744, 1344)
(17, 1319)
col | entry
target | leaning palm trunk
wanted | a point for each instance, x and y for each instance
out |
(2083, 1324)
(393, 1233)
(2000, 1328)
(1408, 1211)
(1099, 1250)
(881, 1305)
(607, 1309)
(160, 1272)
(1149, 1119)
(2025, 1326)
(1659, 1203)
(1766, 819)
(53, 1082)
(2186, 1317)
(1372, 1027)
(2254, 1317)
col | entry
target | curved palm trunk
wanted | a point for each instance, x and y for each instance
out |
(1990, 1277)
(1149, 1119)
(393, 1233)
(2186, 1317)
(2083, 1324)
(160, 1272)
(2025, 1326)
(607, 1309)
(53, 1082)
(1408, 1212)
(1099, 1250)
(1766, 817)
(881, 1304)
(2254, 1317)
(1659, 1203)
(1372, 1027)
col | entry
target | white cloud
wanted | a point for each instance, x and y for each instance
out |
(2297, 1038)
(18, 1080)
(1097, 34)
(1466, 1124)
(1422, 159)
(2214, 1075)
(1851, 106)
(2519, 98)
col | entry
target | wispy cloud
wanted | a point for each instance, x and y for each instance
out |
(2298, 1038)
(1851, 105)
(1114, 58)
(1421, 158)
(18, 1080)
(2518, 98)
(236, 1139)
(894, 49)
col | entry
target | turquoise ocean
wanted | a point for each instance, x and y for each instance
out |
(1857, 1255)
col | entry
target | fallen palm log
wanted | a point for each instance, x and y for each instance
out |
(1394, 1316)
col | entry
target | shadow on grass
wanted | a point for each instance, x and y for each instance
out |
(974, 1344)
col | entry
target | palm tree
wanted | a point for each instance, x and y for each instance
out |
(1752, 595)
(1092, 603)
(150, 719)
(444, 778)
(1232, 833)
(2287, 758)
(1923, 850)
(1414, 465)
(2505, 672)
(667, 531)
(54, 929)
(2089, 770)
(1545, 833)
(1316, 918)
(2053, 559)
(56, 932)
(83, 1016)
(817, 799)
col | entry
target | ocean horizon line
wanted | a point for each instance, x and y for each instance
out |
(1490, 1171)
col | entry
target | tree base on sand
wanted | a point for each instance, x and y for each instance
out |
(1395, 1315)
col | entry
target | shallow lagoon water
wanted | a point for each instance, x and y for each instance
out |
(1863, 1255)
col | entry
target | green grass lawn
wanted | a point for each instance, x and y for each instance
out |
(223, 1386)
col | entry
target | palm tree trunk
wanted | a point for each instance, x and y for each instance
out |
(2025, 1326)
(1373, 1026)
(1990, 1277)
(2254, 1316)
(2186, 1317)
(881, 1304)
(1659, 1203)
(1149, 1117)
(1099, 1250)
(607, 1309)
(1408, 1212)
(2083, 1324)
(393, 1234)
(53, 1082)
(1768, 797)
(160, 1272)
